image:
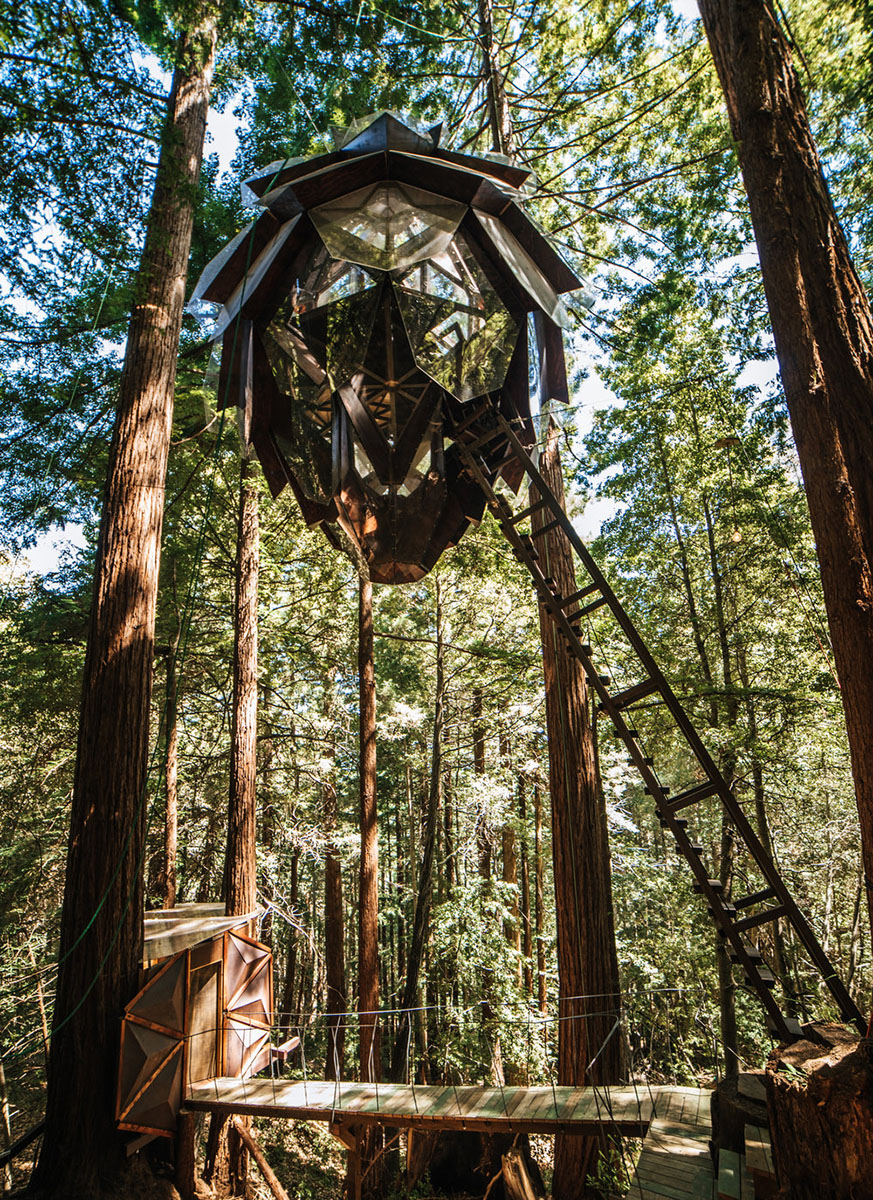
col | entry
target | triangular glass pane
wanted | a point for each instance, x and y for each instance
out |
(387, 226)
(460, 332)
(525, 270)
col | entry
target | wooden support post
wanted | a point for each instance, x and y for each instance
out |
(517, 1183)
(354, 1171)
(247, 1138)
(185, 1172)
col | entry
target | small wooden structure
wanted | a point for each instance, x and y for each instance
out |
(205, 1008)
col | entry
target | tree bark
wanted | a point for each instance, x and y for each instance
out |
(288, 1016)
(101, 924)
(539, 899)
(368, 897)
(226, 1157)
(171, 781)
(483, 833)
(421, 920)
(368, 888)
(820, 1104)
(240, 877)
(589, 1042)
(334, 923)
(527, 939)
(823, 330)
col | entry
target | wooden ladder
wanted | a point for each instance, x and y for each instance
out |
(486, 438)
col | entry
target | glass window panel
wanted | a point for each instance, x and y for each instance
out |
(524, 268)
(460, 332)
(387, 226)
(341, 135)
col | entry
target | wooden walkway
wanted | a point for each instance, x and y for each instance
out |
(675, 1163)
(625, 1109)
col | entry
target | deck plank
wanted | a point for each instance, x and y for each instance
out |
(674, 1163)
(474, 1107)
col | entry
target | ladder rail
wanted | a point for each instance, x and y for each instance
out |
(556, 607)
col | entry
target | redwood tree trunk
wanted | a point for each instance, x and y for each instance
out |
(101, 924)
(226, 1156)
(823, 330)
(334, 925)
(587, 958)
(240, 878)
(368, 893)
(171, 778)
(424, 898)
(370, 1141)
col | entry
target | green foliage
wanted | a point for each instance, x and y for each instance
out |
(618, 111)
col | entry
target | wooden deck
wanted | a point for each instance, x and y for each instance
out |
(675, 1163)
(625, 1109)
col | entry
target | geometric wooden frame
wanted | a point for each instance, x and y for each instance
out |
(206, 1011)
(151, 1065)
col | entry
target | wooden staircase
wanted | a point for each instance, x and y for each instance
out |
(484, 438)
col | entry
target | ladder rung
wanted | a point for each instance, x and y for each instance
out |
(638, 692)
(580, 595)
(517, 518)
(550, 525)
(700, 792)
(755, 898)
(679, 822)
(761, 918)
(483, 439)
(792, 1025)
(473, 418)
(763, 975)
(588, 608)
(752, 952)
(715, 885)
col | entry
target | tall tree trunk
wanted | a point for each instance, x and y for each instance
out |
(240, 878)
(823, 329)
(449, 837)
(589, 1043)
(101, 923)
(421, 920)
(527, 939)
(368, 894)
(288, 1015)
(171, 781)
(226, 1166)
(368, 889)
(511, 927)
(483, 833)
(334, 922)
(540, 899)
(499, 115)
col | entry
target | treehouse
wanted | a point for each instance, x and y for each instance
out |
(386, 296)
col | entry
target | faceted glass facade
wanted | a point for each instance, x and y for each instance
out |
(461, 333)
(388, 226)
(385, 345)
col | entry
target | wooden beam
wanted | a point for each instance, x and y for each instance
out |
(185, 1155)
(247, 1138)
